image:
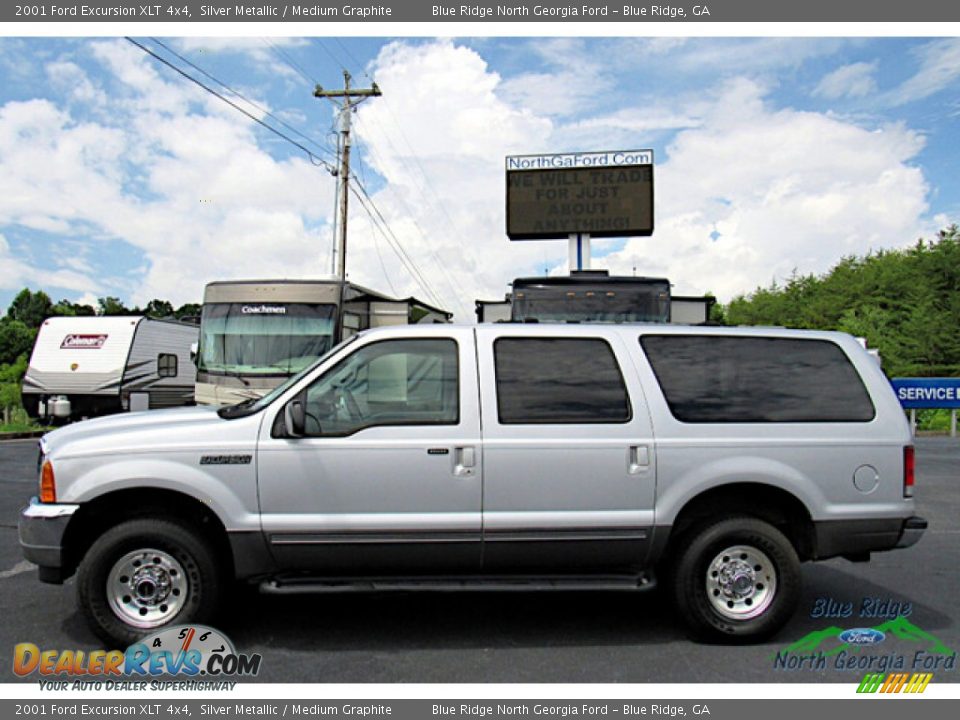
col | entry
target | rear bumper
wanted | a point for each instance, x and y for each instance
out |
(41, 529)
(913, 528)
(860, 537)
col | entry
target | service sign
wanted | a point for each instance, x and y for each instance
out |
(602, 194)
(915, 393)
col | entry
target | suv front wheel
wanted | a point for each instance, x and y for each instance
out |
(736, 579)
(146, 574)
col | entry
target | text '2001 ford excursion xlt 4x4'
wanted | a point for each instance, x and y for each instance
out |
(530, 456)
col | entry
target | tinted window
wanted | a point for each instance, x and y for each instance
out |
(393, 382)
(553, 380)
(712, 379)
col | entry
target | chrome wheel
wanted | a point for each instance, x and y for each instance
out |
(147, 587)
(741, 582)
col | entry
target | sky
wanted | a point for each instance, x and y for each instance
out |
(121, 177)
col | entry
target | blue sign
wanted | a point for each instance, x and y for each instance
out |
(928, 392)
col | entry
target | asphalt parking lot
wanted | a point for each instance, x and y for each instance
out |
(536, 637)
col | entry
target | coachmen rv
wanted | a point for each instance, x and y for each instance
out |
(88, 366)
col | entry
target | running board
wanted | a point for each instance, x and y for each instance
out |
(295, 585)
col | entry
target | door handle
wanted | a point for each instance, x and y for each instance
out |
(465, 459)
(638, 460)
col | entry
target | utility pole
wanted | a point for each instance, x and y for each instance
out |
(351, 97)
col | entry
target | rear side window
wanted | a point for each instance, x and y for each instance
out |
(558, 380)
(712, 379)
(166, 365)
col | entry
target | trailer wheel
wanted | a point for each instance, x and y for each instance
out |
(736, 579)
(146, 574)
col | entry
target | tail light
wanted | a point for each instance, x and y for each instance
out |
(909, 470)
(48, 486)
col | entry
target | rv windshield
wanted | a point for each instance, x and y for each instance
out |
(597, 303)
(263, 338)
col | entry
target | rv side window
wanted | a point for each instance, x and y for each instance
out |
(167, 365)
(716, 379)
(558, 380)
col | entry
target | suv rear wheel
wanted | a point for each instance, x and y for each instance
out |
(736, 579)
(144, 575)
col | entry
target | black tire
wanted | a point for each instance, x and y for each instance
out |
(188, 561)
(762, 577)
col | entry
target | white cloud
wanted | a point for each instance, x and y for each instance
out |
(731, 57)
(574, 79)
(785, 190)
(268, 54)
(439, 136)
(15, 273)
(68, 76)
(174, 173)
(939, 68)
(854, 81)
(195, 188)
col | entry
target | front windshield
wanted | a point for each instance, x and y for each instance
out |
(248, 408)
(594, 304)
(263, 338)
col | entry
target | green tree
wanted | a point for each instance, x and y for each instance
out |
(30, 308)
(188, 310)
(906, 303)
(15, 339)
(111, 306)
(158, 309)
(65, 308)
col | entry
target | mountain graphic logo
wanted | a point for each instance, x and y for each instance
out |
(829, 642)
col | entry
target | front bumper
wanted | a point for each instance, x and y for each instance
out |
(41, 530)
(858, 538)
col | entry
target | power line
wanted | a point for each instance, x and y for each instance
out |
(380, 223)
(244, 98)
(352, 57)
(336, 60)
(439, 264)
(397, 247)
(289, 61)
(313, 157)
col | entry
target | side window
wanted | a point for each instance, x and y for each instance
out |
(393, 382)
(723, 379)
(167, 365)
(558, 380)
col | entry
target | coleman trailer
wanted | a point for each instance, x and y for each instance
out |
(89, 366)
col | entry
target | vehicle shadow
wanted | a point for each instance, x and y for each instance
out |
(527, 636)
(463, 620)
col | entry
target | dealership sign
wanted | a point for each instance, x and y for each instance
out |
(915, 393)
(601, 194)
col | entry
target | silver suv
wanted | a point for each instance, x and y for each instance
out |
(533, 456)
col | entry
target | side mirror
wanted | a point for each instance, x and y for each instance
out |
(295, 418)
(194, 349)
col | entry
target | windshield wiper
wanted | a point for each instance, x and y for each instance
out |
(237, 409)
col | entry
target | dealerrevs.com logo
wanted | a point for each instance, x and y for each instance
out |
(83, 342)
(184, 651)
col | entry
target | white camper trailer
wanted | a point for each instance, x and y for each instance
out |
(88, 366)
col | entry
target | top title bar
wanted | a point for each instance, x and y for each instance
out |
(194, 11)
